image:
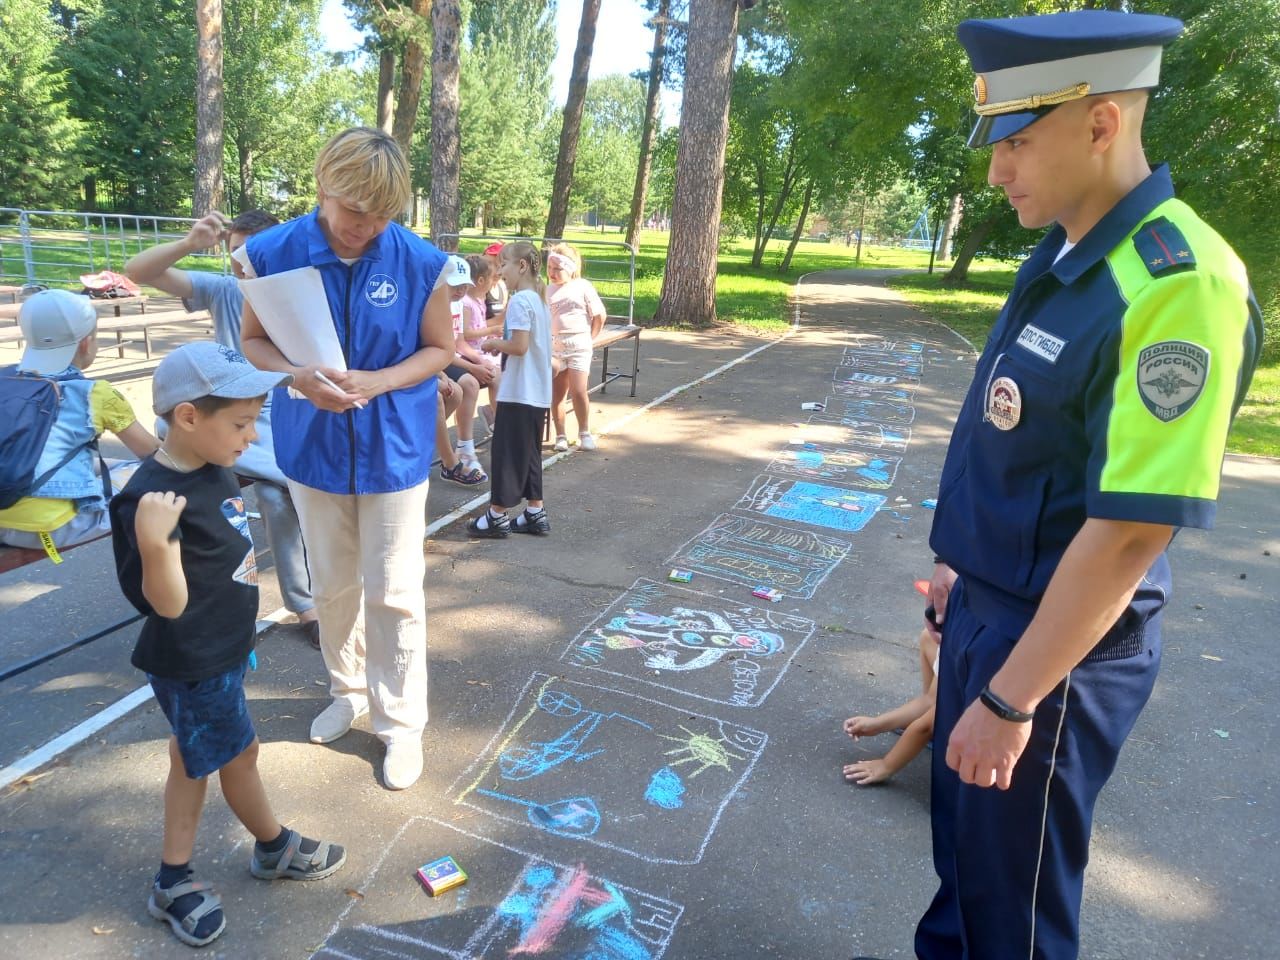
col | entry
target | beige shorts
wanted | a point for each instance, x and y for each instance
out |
(573, 350)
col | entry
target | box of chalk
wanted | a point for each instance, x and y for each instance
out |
(680, 576)
(441, 875)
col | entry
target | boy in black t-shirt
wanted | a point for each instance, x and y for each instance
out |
(185, 559)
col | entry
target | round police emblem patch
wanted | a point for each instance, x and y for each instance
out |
(1171, 377)
(381, 290)
(1004, 403)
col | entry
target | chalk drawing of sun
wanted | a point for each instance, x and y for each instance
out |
(701, 749)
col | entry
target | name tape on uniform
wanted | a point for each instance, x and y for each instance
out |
(1043, 345)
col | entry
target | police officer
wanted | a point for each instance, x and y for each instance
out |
(1094, 428)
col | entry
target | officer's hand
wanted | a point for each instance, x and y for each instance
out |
(940, 585)
(984, 749)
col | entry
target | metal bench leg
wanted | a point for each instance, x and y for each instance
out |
(146, 339)
(119, 345)
(635, 362)
(604, 372)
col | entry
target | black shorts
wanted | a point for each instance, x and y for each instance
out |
(455, 372)
(515, 466)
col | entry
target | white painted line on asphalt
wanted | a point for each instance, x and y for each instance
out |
(82, 731)
(87, 728)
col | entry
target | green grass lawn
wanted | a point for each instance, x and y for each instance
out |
(756, 299)
(971, 310)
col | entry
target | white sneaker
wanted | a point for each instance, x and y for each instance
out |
(402, 765)
(562, 444)
(586, 441)
(334, 721)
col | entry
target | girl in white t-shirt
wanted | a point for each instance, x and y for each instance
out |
(524, 394)
(577, 315)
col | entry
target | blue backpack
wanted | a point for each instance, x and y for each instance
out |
(28, 408)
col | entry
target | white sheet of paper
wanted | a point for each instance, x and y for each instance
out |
(294, 311)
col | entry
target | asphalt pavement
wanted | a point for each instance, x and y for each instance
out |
(622, 763)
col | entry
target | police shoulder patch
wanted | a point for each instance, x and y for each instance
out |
(1171, 377)
(1163, 248)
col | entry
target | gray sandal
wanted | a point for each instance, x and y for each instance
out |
(184, 928)
(292, 864)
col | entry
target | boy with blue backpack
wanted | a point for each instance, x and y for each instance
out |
(50, 419)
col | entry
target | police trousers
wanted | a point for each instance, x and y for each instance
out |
(1011, 863)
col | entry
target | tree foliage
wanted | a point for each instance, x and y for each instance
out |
(604, 175)
(38, 137)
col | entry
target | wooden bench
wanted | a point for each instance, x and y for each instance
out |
(10, 291)
(610, 334)
(129, 322)
(11, 558)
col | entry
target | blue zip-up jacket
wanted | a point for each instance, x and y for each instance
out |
(1106, 390)
(377, 305)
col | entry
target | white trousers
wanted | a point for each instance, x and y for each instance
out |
(365, 554)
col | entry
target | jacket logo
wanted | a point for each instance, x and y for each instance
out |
(381, 290)
(1171, 377)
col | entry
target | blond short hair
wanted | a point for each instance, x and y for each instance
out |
(366, 169)
(569, 251)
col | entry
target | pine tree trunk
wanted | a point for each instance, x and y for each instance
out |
(572, 124)
(650, 122)
(386, 88)
(959, 271)
(785, 265)
(446, 25)
(689, 284)
(246, 177)
(208, 186)
(411, 70)
(949, 227)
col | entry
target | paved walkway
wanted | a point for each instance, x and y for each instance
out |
(608, 773)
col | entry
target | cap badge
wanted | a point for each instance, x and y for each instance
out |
(1004, 404)
(980, 89)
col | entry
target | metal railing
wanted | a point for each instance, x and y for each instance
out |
(610, 265)
(55, 247)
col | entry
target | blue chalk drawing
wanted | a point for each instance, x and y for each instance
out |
(574, 817)
(860, 409)
(812, 503)
(524, 763)
(527, 906)
(824, 463)
(665, 789)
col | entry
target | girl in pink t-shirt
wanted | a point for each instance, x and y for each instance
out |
(473, 329)
(577, 315)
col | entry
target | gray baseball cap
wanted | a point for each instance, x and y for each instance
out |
(197, 370)
(53, 324)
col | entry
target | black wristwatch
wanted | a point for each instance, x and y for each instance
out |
(1001, 709)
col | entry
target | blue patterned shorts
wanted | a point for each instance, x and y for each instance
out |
(209, 718)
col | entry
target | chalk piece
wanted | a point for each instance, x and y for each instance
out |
(767, 593)
(929, 504)
(441, 875)
(680, 576)
(813, 406)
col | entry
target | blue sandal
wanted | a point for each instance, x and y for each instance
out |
(461, 473)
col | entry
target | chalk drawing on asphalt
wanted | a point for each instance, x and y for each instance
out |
(820, 505)
(854, 408)
(704, 646)
(549, 909)
(753, 552)
(596, 792)
(842, 466)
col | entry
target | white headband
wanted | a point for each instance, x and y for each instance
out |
(563, 262)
